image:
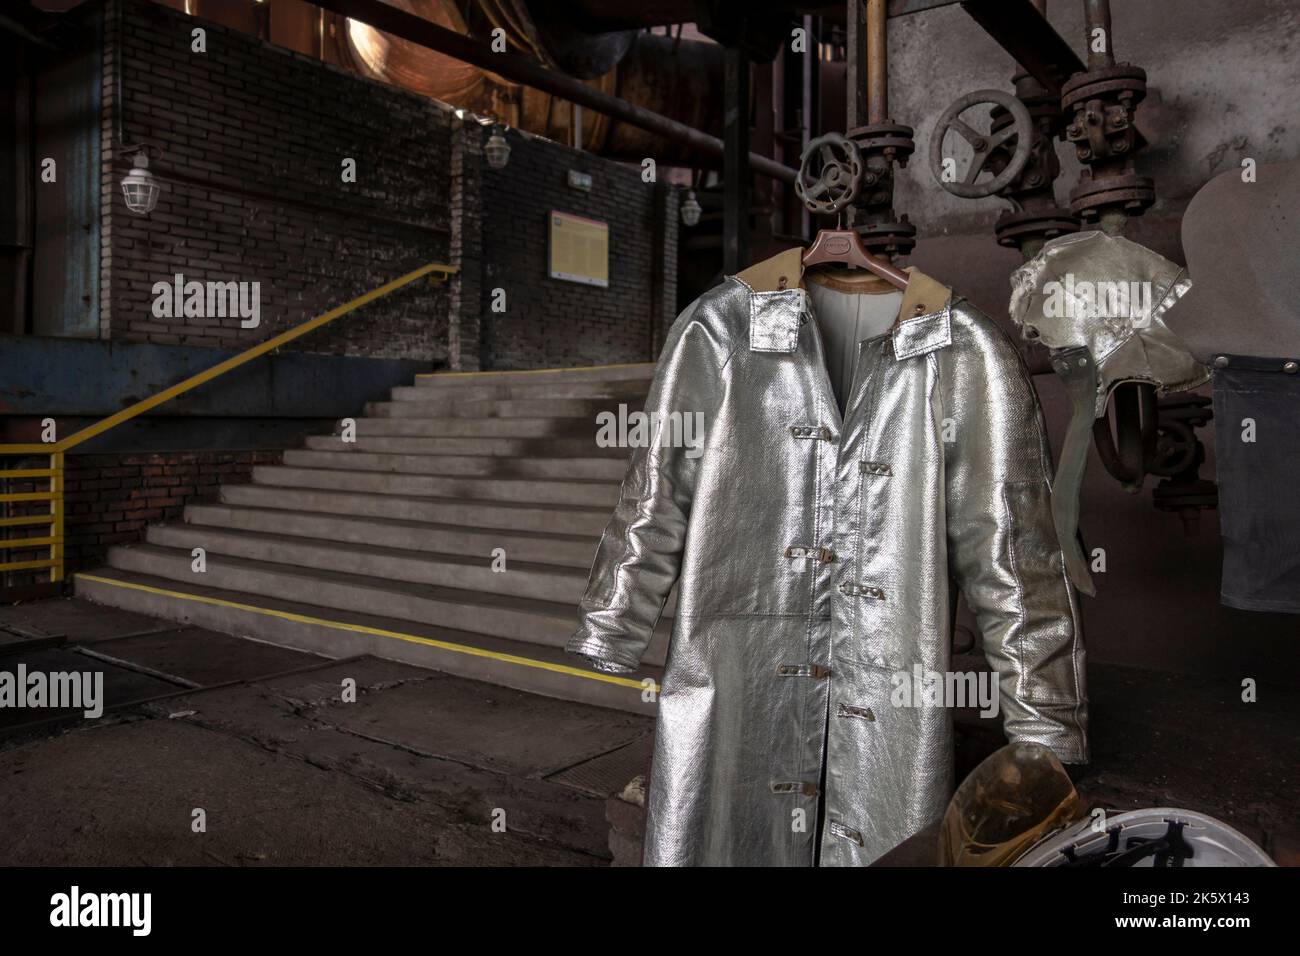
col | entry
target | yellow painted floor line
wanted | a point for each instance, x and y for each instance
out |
(377, 631)
(535, 371)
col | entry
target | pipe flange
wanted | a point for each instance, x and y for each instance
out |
(1117, 81)
(893, 140)
(896, 237)
(1012, 228)
(1133, 193)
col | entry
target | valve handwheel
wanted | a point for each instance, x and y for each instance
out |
(835, 184)
(984, 145)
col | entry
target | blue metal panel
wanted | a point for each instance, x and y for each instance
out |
(65, 266)
(69, 377)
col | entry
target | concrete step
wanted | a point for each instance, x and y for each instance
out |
(562, 550)
(527, 667)
(468, 570)
(577, 428)
(487, 466)
(527, 620)
(510, 516)
(547, 376)
(592, 494)
(502, 447)
(587, 408)
(629, 390)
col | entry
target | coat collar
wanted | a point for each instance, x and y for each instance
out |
(778, 302)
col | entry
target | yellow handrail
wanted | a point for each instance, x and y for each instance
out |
(56, 449)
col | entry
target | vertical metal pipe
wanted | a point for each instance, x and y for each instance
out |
(735, 163)
(1096, 15)
(877, 62)
(812, 62)
(855, 70)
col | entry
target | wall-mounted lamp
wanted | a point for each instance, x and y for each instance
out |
(139, 187)
(497, 150)
(691, 209)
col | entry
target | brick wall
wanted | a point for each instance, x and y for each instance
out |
(252, 139)
(110, 499)
(248, 139)
(550, 322)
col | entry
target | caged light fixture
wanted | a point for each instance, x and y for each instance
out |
(691, 209)
(139, 187)
(497, 150)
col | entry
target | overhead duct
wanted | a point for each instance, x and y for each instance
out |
(676, 78)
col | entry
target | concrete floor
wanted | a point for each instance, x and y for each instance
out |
(414, 772)
(416, 769)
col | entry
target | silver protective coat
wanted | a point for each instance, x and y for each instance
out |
(813, 557)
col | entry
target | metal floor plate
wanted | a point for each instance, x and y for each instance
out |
(609, 773)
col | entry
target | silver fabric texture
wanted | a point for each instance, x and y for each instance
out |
(813, 554)
(1136, 346)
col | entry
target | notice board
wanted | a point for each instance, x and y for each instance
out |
(579, 249)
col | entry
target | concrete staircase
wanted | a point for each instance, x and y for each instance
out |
(385, 545)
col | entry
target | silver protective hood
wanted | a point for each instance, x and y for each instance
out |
(1108, 295)
(1098, 303)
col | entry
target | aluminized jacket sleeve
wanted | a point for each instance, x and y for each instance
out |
(1003, 549)
(640, 553)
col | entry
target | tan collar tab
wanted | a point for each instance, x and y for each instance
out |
(783, 271)
(923, 321)
(923, 295)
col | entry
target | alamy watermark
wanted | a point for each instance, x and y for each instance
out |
(213, 300)
(926, 688)
(77, 909)
(1070, 299)
(626, 429)
(55, 690)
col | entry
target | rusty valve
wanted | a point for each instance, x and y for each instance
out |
(992, 151)
(838, 178)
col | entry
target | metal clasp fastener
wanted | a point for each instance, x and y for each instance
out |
(815, 432)
(815, 671)
(845, 833)
(795, 786)
(874, 468)
(861, 590)
(852, 710)
(824, 555)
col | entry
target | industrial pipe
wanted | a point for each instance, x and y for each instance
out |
(521, 69)
(1096, 15)
(877, 63)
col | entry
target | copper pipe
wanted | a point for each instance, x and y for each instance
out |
(528, 71)
(877, 68)
(855, 67)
